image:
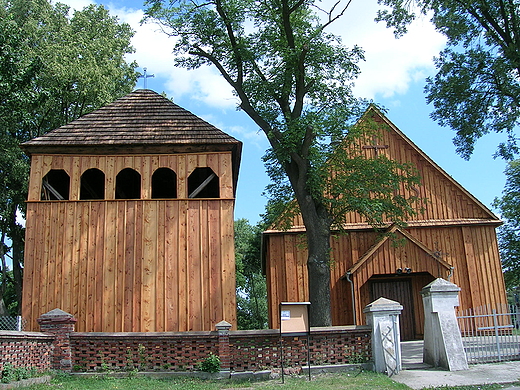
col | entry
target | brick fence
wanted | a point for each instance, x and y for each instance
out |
(26, 349)
(248, 350)
(254, 350)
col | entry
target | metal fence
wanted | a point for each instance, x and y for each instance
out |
(12, 323)
(490, 335)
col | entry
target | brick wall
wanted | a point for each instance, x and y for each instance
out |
(248, 350)
(143, 351)
(26, 349)
(62, 348)
(258, 350)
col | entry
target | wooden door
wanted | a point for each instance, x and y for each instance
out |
(399, 290)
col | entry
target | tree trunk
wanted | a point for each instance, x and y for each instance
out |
(3, 277)
(318, 268)
(317, 225)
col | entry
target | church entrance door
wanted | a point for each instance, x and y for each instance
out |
(397, 289)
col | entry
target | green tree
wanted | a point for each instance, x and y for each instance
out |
(293, 79)
(53, 69)
(251, 285)
(509, 232)
(477, 87)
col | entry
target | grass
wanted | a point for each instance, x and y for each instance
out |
(361, 381)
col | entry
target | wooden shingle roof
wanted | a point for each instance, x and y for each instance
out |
(140, 122)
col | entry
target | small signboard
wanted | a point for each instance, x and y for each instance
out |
(294, 317)
(294, 321)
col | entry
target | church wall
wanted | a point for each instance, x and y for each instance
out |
(472, 250)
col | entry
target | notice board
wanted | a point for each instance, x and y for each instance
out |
(294, 317)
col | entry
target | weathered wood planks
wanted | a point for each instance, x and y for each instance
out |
(131, 265)
(449, 221)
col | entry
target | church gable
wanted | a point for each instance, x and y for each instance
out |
(442, 197)
(443, 201)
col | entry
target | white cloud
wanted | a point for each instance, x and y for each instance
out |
(74, 4)
(154, 51)
(391, 64)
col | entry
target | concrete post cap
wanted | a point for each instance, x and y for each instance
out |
(383, 304)
(223, 325)
(440, 285)
(56, 316)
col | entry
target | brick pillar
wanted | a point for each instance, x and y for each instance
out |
(223, 345)
(61, 325)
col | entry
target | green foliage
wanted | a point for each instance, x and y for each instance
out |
(210, 364)
(294, 80)
(509, 232)
(53, 69)
(8, 374)
(477, 88)
(13, 374)
(354, 356)
(143, 357)
(8, 293)
(251, 285)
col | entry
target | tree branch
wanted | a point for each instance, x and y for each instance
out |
(233, 41)
(489, 24)
(332, 19)
(307, 141)
(300, 87)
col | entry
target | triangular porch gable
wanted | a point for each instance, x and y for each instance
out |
(368, 256)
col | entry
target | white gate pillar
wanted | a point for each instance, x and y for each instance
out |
(442, 339)
(383, 316)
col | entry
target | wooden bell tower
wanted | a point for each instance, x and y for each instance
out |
(130, 220)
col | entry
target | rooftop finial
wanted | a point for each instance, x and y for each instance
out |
(145, 76)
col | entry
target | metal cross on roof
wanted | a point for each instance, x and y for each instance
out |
(438, 253)
(145, 76)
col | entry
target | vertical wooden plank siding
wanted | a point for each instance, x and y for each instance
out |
(447, 222)
(227, 252)
(476, 268)
(194, 266)
(131, 265)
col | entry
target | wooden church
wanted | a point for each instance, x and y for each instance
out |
(130, 220)
(451, 237)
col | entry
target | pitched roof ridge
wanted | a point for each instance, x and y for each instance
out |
(140, 117)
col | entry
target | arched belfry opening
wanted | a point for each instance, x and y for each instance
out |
(203, 183)
(92, 185)
(164, 184)
(55, 185)
(128, 184)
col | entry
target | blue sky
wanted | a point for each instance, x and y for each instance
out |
(393, 75)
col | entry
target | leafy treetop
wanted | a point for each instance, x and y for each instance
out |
(477, 87)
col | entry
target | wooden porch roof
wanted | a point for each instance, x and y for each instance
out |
(393, 229)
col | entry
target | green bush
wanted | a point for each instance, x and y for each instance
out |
(12, 374)
(210, 363)
(8, 373)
